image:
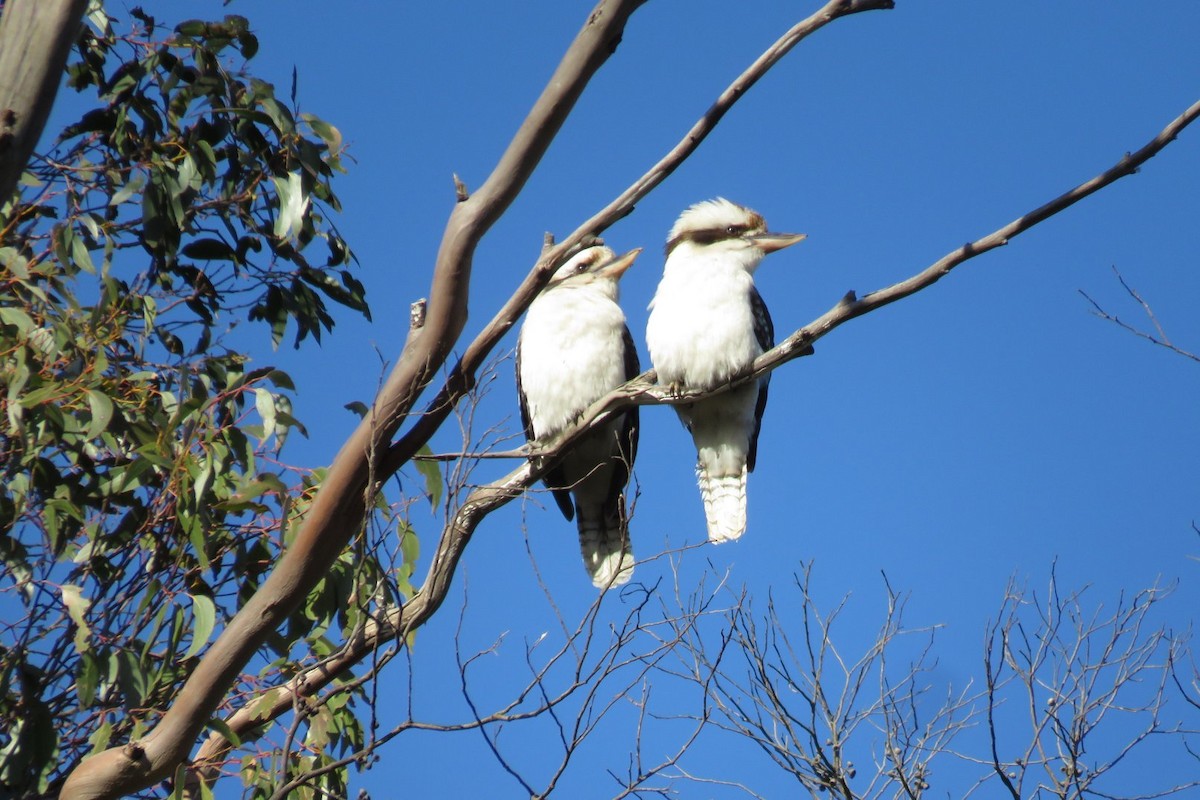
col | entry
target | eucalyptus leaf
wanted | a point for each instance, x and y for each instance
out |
(204, 611)
(77, 607)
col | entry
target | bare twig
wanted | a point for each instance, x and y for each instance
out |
(1072, 671)
(1161, 339)
(807, 707)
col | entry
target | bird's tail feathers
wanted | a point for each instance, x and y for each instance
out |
(604, 542)
(724, 504)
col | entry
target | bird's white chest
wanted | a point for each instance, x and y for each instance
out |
(572, 354)
(701, 326)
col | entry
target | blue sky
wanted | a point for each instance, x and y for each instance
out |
(984, 429)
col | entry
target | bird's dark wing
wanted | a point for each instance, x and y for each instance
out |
(526, 422)
(553, 477)
(627, 433)
(764, 331)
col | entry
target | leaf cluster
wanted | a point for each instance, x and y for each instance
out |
(142, 498)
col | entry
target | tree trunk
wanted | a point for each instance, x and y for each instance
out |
(35, 38)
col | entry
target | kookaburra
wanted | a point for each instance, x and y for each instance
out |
(573, 349)
(708, 323)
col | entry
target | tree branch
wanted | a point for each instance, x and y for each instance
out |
(1161, 339)
(35, 40)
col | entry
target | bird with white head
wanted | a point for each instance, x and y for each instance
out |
(707, 324)
(573, 349)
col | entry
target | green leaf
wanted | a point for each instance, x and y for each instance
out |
(77, 606)
(281, 380)
(192, 28)
(221, 727)
(90, 222)
(264, 401)
(349, 293)
(81, 256)
(153, 224)
(87, 677)
(293, 203)
(203, 480)
(358, 407)
(410, 546)
(318, 728)
(252, 489)
(189, 175)
(99, 739)
(195, 532)
(132, 678)
(12, 260)
(102, 413)
(328, 133)
(261, 708)
(127, 191)
(149, 313)
(432, 474)
(205, 612)
(248, 43)
(209, 250)
(18, 319)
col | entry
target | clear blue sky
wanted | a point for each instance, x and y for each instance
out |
(981, 430)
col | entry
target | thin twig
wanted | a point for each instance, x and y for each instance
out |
(1161, 340)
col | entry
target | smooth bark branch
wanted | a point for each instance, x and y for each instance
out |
(338, 509)
(642, 390)
(35, 40)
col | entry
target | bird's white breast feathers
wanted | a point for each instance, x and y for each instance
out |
(572, 354)
(701, 327)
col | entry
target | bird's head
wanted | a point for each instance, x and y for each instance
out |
(720, 227)
(597, 267)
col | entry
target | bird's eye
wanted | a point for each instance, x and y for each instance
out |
(734, 230)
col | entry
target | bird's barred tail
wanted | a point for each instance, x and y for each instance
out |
(604, 541)
(724, 504)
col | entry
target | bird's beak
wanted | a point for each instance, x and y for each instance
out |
(770, 242)
(616, 268)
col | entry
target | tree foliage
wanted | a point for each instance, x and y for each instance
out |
(142, 495)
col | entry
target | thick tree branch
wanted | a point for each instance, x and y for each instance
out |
(35, 40)
(340, 504)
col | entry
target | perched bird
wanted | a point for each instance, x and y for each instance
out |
(708, 323)
(574, 347)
